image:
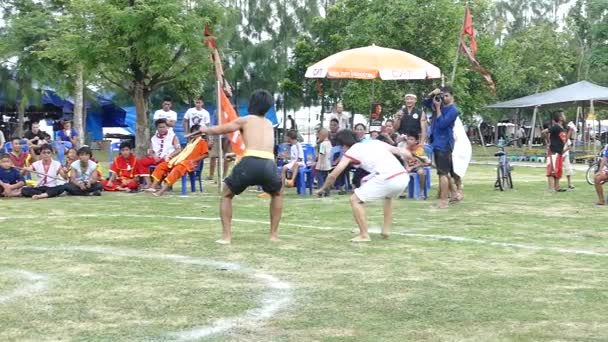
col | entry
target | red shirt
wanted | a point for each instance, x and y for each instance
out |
(125, 168)
(20, 160)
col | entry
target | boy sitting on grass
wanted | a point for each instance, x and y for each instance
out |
(11, 180)
(84, 177)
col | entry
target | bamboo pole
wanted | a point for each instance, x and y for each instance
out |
(455, 66)
(220, 169)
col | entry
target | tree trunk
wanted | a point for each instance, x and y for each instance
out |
(79, 124)
(20, 118)
(142, 135)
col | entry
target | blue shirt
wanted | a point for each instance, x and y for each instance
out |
(63, 137)
(10, 176)
(442, 128)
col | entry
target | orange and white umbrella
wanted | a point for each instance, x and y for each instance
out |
(371, 62)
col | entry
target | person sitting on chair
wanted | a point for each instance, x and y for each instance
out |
(185, 162)
(165, 146)
(417, 165)
(19, 157)
(296, 160)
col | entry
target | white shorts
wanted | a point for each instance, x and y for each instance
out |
(380, 187)
(568, 169)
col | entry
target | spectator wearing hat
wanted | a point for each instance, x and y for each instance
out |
(411, 119)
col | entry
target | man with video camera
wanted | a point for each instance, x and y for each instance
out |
(445, 112)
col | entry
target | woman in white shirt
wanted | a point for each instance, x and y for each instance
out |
(47, 173)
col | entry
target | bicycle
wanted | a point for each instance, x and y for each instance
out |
(504, 181)
(594, 166)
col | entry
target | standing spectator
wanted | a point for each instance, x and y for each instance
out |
(47, 172)
(124, 171)
(84, 178)
(570, 139)
(296, 160)
(343, 118)
(334, 127)
(36, 138)
(557, 146)
(68, 134)
(165, 146)
(292, 123)
(600, 178)
(196, 115)
(445, 112)
(520, 135)
(324, 160)
(166, 113)
(11, 180)
(375, 119)
(19, 158)
(411, 119)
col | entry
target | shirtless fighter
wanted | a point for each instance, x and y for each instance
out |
(257, 167)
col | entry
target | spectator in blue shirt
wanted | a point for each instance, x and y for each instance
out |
(11, 180)
(68, 134)
(445, 112)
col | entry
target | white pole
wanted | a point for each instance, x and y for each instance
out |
(220, 170)
(533, 127)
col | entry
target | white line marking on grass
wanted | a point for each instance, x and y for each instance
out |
(34, 283)
(402, 233)
(276, 298)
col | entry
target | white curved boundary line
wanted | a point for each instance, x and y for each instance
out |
(36, 282)
(272, 301)
(401, 233)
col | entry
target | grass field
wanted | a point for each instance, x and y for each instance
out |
(522, 265)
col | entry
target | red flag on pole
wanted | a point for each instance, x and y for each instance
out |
(209, 38)
(471, 50)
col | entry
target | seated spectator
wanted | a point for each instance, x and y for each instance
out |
(19, 158)
(11, 180)
(165, 146)
(334, 127)
(185, 162)
(601, 177)
(36, 138)
(296, 160)
(360, 133)
(324, 164)
(70, 157)
(389, 133)
(84, 177)
(68, 134)
(416, 165)
(124, 171)
(47, 173)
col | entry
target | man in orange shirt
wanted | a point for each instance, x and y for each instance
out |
(186, 161)
(124, 172)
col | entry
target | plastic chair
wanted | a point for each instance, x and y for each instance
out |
(8, 147)
(428, 150)
(60, 147)
(194, 176)
(305, 173)
(336, 154)
(414, 189)
(113, 147)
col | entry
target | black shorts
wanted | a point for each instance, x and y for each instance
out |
(443, 162)
(254, 171)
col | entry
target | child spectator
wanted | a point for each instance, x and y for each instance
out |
(185, 162)
(11, 180)
(68, 134)
(84, 178)
(47, 172)
(19, 158)
(414, 165)
(165, 146)
(124, 171)
(290, 170)
(324, 160)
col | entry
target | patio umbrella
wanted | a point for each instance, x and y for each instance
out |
(372, 62)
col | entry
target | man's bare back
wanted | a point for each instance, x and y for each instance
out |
(258, 133)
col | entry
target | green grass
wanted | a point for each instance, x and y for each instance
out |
(416, 287)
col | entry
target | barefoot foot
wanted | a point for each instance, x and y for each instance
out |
(223, 242)
(361, 239)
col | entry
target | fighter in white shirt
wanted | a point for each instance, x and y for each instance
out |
(196, 116)
(387, 177)
(166, 113)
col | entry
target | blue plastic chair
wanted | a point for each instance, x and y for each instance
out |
(8, 147)
(194, 176)
(305, 174)
(60, 147)
(414, 190)
(113, 147)
(336, 154)
(428, 150)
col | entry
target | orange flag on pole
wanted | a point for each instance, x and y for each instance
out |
(471, 50)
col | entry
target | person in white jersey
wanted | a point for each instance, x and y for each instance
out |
(166, 113)
(387, 177)
(47, 173)
(196, 115)
(165, 146)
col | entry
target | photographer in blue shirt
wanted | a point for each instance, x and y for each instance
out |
(445, 112)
